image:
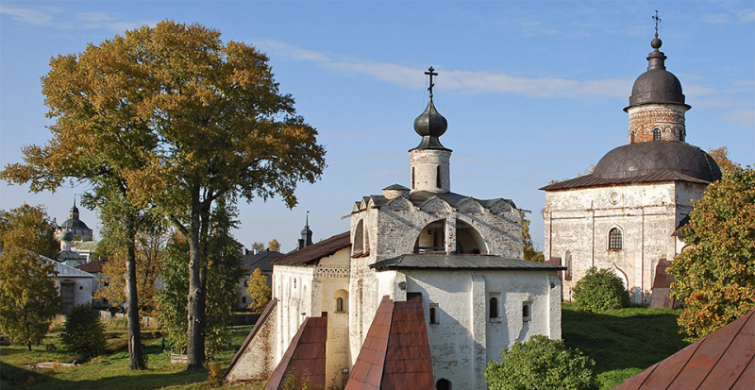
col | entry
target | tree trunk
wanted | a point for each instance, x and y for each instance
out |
(136, 361)
(28, 345)
(196, 300)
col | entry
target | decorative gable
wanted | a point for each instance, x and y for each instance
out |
(470, 206)
(436, 205)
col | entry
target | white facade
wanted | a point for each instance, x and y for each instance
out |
(75, 286)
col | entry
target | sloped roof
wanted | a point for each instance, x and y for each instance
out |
(595, 181)
(260, 260)
(720, 360)
(418, 198)
(396, 351)
(662, 278)
(315, 252)
(679, 232)
(93, 266)
(84, 245)
(305, 355)
(65, 271)
(461, 262)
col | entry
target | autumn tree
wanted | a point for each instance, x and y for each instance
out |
(721, 156)
(259, 290)
(29, 298)
(715, 274)
(150, 242)
(274, 245)
(258, 246)
(530, 253)
(223, 271)
(174, 119)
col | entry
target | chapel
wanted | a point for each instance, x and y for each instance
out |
(627, 215)
(425, 288)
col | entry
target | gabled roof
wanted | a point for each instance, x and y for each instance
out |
(260, 260)
(396, 351)
(93, 266)
(305, 356)
(720, 360)
(461, 262)
(315, 252)
(65, 271)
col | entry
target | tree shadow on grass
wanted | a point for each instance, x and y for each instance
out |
(619, 341)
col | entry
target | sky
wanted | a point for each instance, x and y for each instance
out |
(532, 90)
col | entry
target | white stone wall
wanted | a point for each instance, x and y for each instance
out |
(293, 286)
(578, 221)
(424, 166)
(258, 360)
(465, 338)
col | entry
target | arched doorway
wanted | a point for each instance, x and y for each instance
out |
(443, 384)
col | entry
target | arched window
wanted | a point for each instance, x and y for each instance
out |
(568, 274)
(615, 241)
(443, 384)
(357, 247)
(656, 134)
(493, 308)
(413, 182)
(341, 301)
(438, 182)
(526, 311)
(433, 316)
(339, 304)
(631, 139)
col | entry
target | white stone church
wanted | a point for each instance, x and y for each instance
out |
(624, 215)
(426, 287)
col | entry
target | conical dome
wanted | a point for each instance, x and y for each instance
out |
(657, 85)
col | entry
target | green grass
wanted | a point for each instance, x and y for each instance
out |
(110, 371)
(622, 342)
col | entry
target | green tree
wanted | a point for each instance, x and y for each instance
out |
(84, 332)
(259, 290)
(175, 120)
(223, 273)
(715, 274)
(541, 364)
(530, 253)
(600, 290)
(29, 298)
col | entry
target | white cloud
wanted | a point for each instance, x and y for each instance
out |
(715, 18)
(38, 16)
(744, 118)
(462, 81)
(746, 15)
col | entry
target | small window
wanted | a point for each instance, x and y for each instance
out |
(294, 282)
(656, 134)
(615, 239)
(631, 140)
(493, 308)
(413, 182)
(339, 304)
(243, 299)
(437, 177)
(526, 311)
(443, 384)
(434, 314)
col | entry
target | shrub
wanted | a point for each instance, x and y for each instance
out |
(541, 363)
(600, 290)
(84, 332)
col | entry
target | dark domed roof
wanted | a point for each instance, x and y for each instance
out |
(640, 159)
(74, 224)
(657, 85)
(430, 125)
(67, 236)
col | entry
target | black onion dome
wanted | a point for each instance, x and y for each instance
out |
(643, 158)
(430, 125)
(657, 85)
(67, 236)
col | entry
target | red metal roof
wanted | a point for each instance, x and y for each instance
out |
(93, 267)
(720, 360)
(315, 252)
(305, 356)
(396, 351)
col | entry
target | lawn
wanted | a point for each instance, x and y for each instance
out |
(622, 342)
(111, 371)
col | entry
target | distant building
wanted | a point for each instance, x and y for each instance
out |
(75, 286)
(76, 245)
(250, 262)
(623, 216)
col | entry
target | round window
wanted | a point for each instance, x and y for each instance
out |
(614, 197)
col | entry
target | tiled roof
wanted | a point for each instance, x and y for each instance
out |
(396, 351)
(662, 279)
(595, 181)
(461, 262)
(93, 266)
(315, 252)
(257, 326)
(305, 356)
(720, 360)
(260, 260)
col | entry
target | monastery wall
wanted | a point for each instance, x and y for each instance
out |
(577, 225)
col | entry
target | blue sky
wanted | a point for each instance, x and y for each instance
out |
(532, 90)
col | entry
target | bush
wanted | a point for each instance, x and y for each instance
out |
(541, 363)
(600, 290)
(84, 332)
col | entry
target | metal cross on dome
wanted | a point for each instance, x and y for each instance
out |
(431, 72)
(657, 19)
